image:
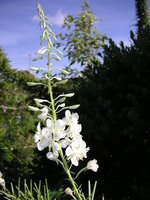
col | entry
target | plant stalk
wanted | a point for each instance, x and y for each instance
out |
(66, 168)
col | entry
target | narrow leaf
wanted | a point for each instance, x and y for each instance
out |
(94, 189)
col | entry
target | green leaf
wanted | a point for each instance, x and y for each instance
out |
(94, 189)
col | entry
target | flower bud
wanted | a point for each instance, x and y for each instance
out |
(32, 108)
(68, 191)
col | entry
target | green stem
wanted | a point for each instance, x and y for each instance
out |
(49, 78)
(66, 168)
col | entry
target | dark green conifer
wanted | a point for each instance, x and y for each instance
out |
(142, 15)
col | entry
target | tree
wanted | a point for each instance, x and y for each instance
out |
(17, 152)
(116, 123)
(83, 41)
(142, 15)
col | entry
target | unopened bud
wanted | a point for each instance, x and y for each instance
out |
(33, 108)
(68, 191)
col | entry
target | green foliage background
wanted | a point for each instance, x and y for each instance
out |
(16, 123)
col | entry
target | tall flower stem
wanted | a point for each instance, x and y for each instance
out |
(66, 168)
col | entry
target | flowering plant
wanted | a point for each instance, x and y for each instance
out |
(61, 137)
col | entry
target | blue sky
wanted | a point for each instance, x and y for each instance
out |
(20, 32)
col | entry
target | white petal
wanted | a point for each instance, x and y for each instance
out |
(49, 123)
(44, 110)
(60, 124)
(74, 161)
(92, 165)
(39, 127)
(76, 116)
(68, 113)
(42, 145)
(56, 146)
(50, 156)
(46, 133)
(69, 151)
(37, 137)
(65, 143)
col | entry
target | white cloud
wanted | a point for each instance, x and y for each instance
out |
(35, 18)
(56, 19)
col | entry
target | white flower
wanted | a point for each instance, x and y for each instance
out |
(65, 142)
(53, 155)
(44, 113)
(76, 151)
(2, 181)
(41, 138)
(58, 129)
(50, 137)
(65, 132)
(73, 129)
(92, 165)
(37, 136)
(71, 118)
